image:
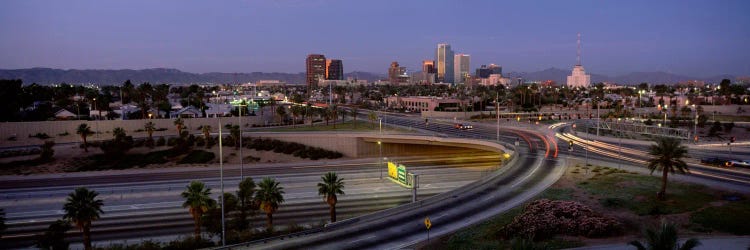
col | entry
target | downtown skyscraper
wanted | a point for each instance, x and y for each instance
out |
(461, 68)
(316, 69)
(444, 61)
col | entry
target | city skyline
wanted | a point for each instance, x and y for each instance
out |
(696, 38)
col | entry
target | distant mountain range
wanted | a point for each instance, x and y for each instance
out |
(561, 76)
(46, 76)
(173, 76)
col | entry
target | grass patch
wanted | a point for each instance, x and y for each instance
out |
(733, 217)
(557, 194)
(637, 193)
(197, 157)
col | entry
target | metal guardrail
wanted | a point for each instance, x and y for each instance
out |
(635, 128)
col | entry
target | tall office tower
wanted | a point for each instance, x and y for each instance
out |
(395, 72)
(579, 78)
(428, 66)
(483, 72)
(444, 61)
(316, 69)
(334, 69)
(461, 68)
(495, 69)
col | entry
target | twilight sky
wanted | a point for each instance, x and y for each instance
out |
(695, 38)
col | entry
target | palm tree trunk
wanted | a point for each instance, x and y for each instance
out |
(197, 221)
(87, 237)
(85, 145)
(662, 195)
(333, 213)
(269, 220)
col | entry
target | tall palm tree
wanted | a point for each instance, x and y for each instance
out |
(269, 196)
(354, 116)
(281, 111)
(246, 205)
(206, 129)
(667, 156)
(329, 188)
(84, 130)
(81, 207)
(664, 239)
(372, 116)
(150, 127)
(198, 200)
(235, 132)
(296, 111)
(179, 124)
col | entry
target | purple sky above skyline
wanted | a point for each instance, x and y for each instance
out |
(694, 38)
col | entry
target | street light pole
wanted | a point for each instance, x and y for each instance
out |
(598, 117)
(221, 181)
(380, 158)
(497, 113)
(239, 120)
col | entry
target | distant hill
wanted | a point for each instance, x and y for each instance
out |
(561, 76)
(48, 76)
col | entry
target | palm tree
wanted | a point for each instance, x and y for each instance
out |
(667, 157)
(179, 123)
(664, 239)
(118, 133)
(269, 196)
(281, 111)
(246, 204)
(84, 130)
(206, 129)
(198, 200)
(296, 111)
(149, 127)
(329, 188)
(372, 117)
(82, 208)
(235, 132)
(354, 116)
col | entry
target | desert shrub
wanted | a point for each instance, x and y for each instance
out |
(200, 142)
(161, 142)
(42, 136)
(188, 243)
(149, 142)
(115, 149)
(47, 151)
(544, 218)
(172, 141)
(197, 156)
(63, 134)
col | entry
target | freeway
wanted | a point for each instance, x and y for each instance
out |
(619, 151)
(147, 203)
(533, 169)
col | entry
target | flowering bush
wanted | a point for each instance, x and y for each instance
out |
(544, 218)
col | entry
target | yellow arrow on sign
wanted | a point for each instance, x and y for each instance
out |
(427, 222)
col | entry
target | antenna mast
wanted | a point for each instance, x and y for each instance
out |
(578, 55)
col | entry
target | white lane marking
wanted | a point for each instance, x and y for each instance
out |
(366, 238)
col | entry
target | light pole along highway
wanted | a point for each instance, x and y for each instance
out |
(532, 168)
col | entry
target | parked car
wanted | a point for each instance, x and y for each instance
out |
(463, 126)
(738, 163)
(713, 161)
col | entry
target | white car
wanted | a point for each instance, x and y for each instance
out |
(738, 163)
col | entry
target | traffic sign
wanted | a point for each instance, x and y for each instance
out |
(427, 223)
